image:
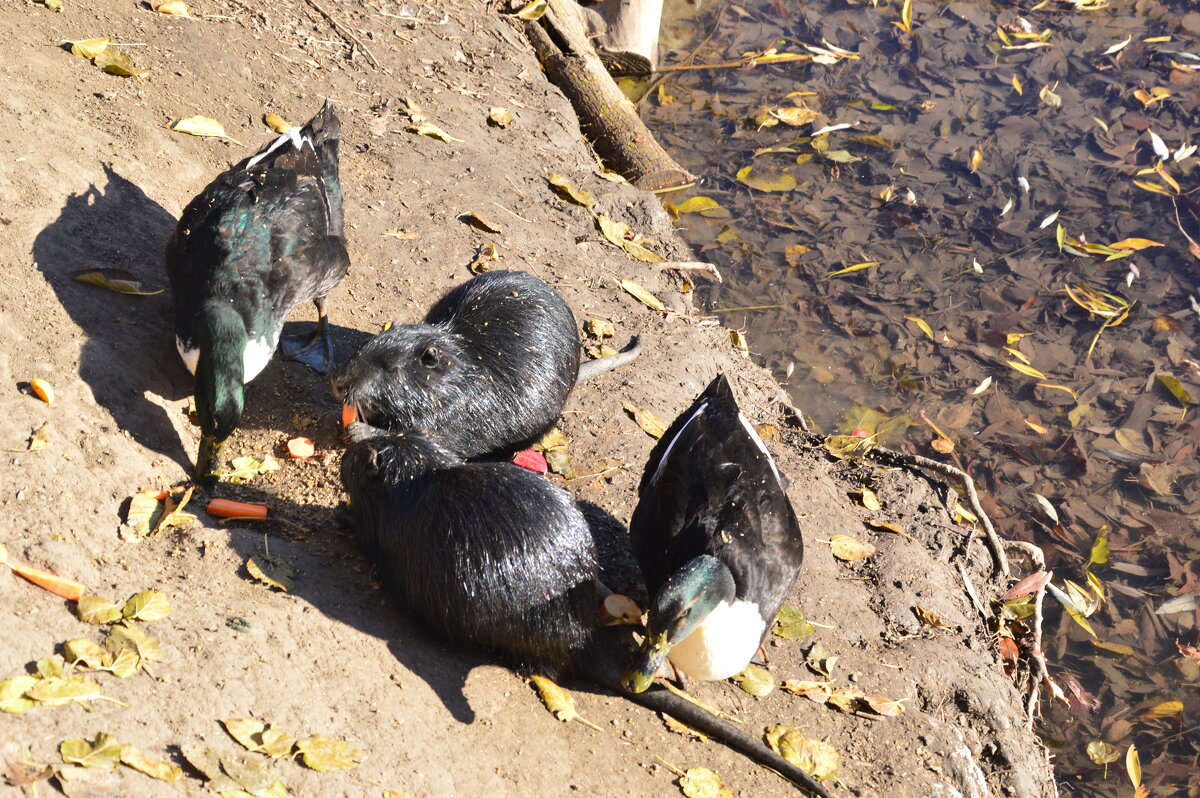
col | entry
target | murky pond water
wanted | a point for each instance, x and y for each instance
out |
(988, 242)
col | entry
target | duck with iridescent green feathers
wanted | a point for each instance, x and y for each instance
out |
(717, 541)
(262, 239)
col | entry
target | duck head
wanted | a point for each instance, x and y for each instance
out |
(687, 597)
(219, 380)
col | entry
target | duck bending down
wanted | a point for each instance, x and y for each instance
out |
(717, 541)
(262, 239)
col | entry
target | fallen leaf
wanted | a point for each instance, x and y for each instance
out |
(246, 468)
(480, 223)
(1029, 585)
(740, 343)
(432, 131)
(790, 624)
(149, 605)
(532, 10)
(927, 617)
(756, 680)
(855, 268)
(273, 572)
(816, 758)
(483, 256)
(682, 728)
(89, 48)
(328, 753)
(600, 328)
(95, 610)
(118, 280)
(619, 234)
(644, 296)
(199, 126)
(1163, 709)
(650, 423)
(124, 636)
(698, 205)
(13, 698)
(1046, 506)
(155, 769)
(86, 652)
(1133, 766)
(15, 769)
(499, 117)
(703, 783)
(276, 123)
(39, 438)
(102, 752)
(176, 8)
(1102, 753)
(849, 549)
(560, 703)
(57, 691)
(1176, 388)
(565, 189)
(882, 705)
(260, 738)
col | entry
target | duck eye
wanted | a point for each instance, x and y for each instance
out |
(429, 358)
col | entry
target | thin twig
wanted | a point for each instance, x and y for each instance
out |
(970, 588)
(1037, 671)
(342, 31)
(994, 543)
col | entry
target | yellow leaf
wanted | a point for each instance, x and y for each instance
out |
(1157, 189)
(176, 8)
(558, 701)
(849, 549)
(1133, 765)
(650, 423)
(856, 267)
(115, 62)
(432, 131)
(1176, 388)
(647, 298)
(922, 324)
(567, 190)
(1102, 753)
(276, 123)
(766, 181)
(1038, 428)
(976, 159)
(1058, 388)
(740, 343)
(698, 204)
(1134, 243)
(532, 10)
(703, 783)
(1016, 84)
(817, 758)
(199, 126)
(1026, 370)
(89, 48)
(500, 117)
(870, 500)
(1114, 648)
(155, 769)
(1163, 709)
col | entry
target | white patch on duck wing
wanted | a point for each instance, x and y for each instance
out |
(256, 357)
(723, 644)
(662, 461)
(762, 446)
(189, 353)
(292, 135)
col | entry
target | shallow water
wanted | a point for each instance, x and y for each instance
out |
(985, 146)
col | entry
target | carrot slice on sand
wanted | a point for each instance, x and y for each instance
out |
(227, 508)
(58, 585)
(349, 415)
(300, 448)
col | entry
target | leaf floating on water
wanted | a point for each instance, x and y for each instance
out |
(560, 703)
(565, 189)
(698, 205)
(149, 605)
(432, 131)
(1133, 766)
(272, 571)
(816, 758)
(644, 296)
(480, 223)
(1176, 388)
(925, 328)
(328, 753)
(756, 680)
(95, 610)
(1102, 753)
(764, 180)
(1163, 709)
(1028, 371)
(118, 280)
(199, 126)
(653, 426)
(850, 549)
(855, 268)
(102, 752)
(155, 769)
(703, 783)
(981, 387)
(89, 48)
(1047, 506)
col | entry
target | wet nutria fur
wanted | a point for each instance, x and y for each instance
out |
(489, 369)
(492, 555)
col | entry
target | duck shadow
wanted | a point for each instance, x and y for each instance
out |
(129, 351)
(338, 581)
(128, 359)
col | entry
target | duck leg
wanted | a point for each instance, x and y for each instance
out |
(316, 350)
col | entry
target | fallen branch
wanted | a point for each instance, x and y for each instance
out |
(994, 543)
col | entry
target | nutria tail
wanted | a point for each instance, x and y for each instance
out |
(594, 368)
(604, 662)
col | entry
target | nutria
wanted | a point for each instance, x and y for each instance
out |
(493, 556)
(489, 369)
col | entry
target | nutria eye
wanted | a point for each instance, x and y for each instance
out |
(429, 358)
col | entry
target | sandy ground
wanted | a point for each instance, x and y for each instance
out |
(91, 177)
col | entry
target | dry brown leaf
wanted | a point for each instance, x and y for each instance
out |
(647, 298)
(650, 423)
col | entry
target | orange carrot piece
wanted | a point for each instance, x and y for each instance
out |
(349, 415)
(227, 508)
(58, 585)
(300, 448)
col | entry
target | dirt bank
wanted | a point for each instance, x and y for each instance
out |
(90, 177)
